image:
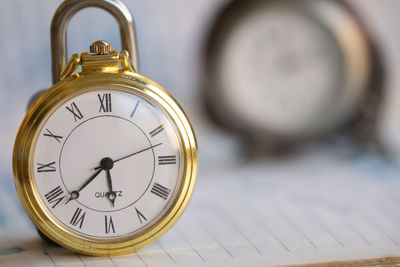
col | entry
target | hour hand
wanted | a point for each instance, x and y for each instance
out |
(107, 164)
(111, 194)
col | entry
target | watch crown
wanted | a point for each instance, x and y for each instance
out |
(100, 47)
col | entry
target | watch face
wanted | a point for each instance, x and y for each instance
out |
(107, 163)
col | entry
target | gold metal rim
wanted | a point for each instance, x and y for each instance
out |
(23, 155)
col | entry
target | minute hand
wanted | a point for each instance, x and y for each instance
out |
(130, 155)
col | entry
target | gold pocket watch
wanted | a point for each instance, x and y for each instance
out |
(105, 161)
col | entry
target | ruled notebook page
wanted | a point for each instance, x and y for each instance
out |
(318, 207)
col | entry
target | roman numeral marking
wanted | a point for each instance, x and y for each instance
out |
(50, 134)
(109, 225)
(160, 191)
(156, 130)
(140, 216)
(54, 196)
(164, 160)
(135, 108)
(78, 218)
(46, 167)
(105, 102)
(75, 111)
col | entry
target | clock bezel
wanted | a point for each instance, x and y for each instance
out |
(25, 142)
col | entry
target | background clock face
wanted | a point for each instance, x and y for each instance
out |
(282, 61)
(107, 163)
(287, 70)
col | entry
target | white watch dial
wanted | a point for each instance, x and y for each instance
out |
(107, 163)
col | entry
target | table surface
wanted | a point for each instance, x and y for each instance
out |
(320, 205)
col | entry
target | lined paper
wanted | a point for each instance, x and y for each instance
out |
(311, 208)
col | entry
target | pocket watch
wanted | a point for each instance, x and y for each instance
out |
(285, 71)
(105, 161)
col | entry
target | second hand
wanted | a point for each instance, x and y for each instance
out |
(130, 155)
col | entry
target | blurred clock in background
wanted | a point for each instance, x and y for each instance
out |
(284, 71)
